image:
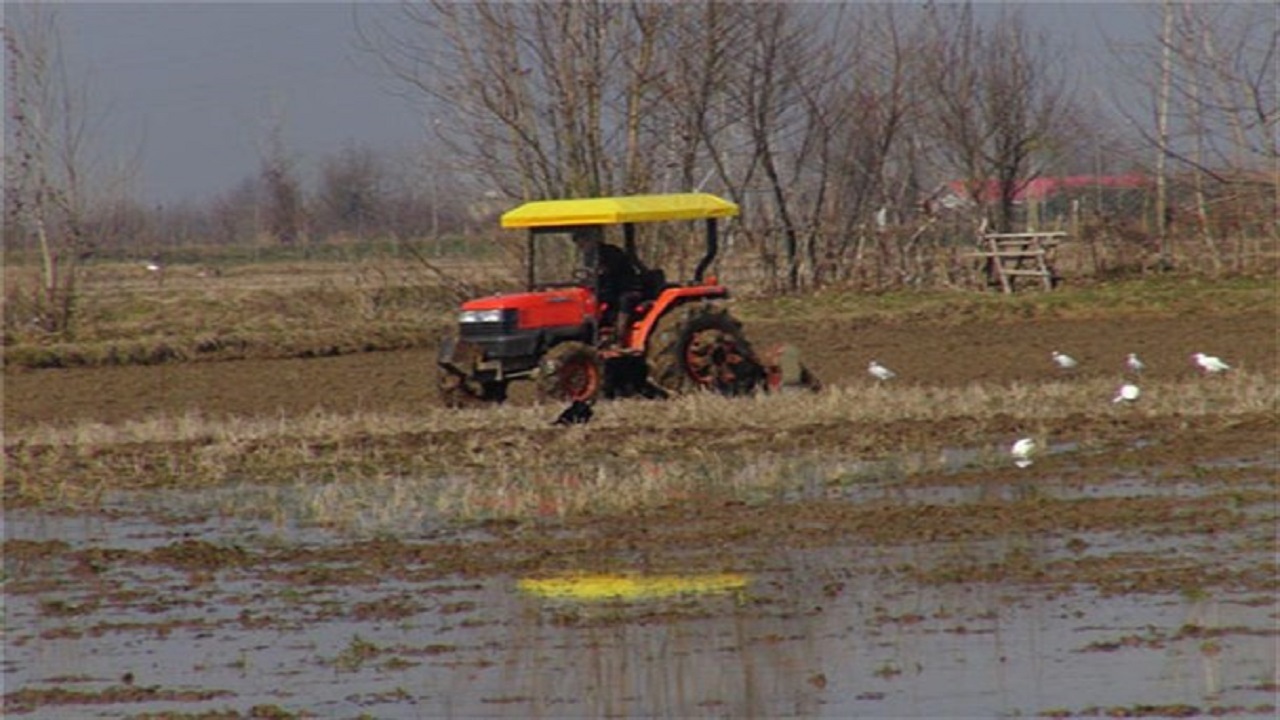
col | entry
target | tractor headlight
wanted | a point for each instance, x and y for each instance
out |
(480, 316)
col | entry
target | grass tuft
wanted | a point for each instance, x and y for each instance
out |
(365, 471)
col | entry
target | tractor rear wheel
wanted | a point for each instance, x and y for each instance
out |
(702, 347)
(571, 371)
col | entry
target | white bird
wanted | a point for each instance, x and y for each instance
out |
(1066, 362)
(1128, 392)
(1209, 364)
(1134, 365)
(1022, 451)
(880, 372)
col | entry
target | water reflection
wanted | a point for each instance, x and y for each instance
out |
(838, 631)
(825, 638)
(631, 586)
(835, 632)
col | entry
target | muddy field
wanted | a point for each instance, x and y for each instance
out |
(932, 353)
(1131, 571)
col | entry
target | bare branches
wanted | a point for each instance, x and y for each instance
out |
(829, 124)
(998, 103)
(46, 160)
(1222, 86)
(282, 190)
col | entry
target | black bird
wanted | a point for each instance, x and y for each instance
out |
(579, 413)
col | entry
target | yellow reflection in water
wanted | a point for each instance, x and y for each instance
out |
(631, 587)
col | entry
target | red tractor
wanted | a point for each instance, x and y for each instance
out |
(595, 320)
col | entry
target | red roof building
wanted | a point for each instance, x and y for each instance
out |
(958, 192)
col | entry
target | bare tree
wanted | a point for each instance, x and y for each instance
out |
(820, 121)
(233, 214)
(282, 191)
(479, 64)
(47, 162)
(772, 121)
(351, 197)
(998, 101)
(767, 93)
(1208, 108)
(699, 42)
(1162, 127)
(1224, 82)
(550, 99)
(871, 114)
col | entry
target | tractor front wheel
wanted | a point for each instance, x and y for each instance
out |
(703, 347)
(571, 371)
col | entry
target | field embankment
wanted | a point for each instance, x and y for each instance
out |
(937, 339)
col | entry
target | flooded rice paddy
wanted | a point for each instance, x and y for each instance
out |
(1075, 589)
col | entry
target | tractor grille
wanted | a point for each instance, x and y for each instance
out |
(482, 330)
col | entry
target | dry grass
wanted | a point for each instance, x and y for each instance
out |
(1237, 393)
(1159, 296)
(128, 315)
(375, 470)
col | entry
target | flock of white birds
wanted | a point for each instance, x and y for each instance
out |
(1024, 449)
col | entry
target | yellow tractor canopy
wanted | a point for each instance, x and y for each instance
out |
(615, 210)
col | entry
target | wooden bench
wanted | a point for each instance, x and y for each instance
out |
(1009, 256)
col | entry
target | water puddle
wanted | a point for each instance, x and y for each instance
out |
(153, 606)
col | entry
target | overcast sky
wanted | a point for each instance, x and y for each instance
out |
(194, 85)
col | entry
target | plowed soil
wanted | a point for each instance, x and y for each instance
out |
(1067, 528)
(838, 351)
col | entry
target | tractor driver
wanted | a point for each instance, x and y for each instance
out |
(619, 285)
